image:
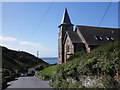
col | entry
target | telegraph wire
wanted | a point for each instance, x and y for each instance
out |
(42, 19)
(105, 13)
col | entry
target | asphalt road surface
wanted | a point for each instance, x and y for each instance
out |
(29, 82)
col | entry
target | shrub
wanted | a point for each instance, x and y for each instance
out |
(103, 60)
(5, 72)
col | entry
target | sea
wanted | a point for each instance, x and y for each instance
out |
(50, 60)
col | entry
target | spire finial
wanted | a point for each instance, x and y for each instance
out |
(66, 18)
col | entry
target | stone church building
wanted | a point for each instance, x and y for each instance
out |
(82, 38)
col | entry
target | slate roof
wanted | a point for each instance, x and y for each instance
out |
(98, 35)
(74, 37)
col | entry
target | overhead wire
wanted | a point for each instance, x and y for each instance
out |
(42, 19)
(105, 13)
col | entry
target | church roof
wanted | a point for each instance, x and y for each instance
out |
(98, 35)
(74, 37)
(66, 18)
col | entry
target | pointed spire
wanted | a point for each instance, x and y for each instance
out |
(66, 19)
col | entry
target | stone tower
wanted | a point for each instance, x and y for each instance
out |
(65, 25)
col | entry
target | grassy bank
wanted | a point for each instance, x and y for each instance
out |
(46, 73)
(98, 69)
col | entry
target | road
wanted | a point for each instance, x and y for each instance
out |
(29, 82)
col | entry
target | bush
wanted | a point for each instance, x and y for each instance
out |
(76, 55)
(103, 60)
(40, 67)
(5, 72)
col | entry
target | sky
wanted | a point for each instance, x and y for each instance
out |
(33, 26)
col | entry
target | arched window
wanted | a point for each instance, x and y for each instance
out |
(67, 48)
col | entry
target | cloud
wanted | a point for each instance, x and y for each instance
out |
(6, 39)
(25, 43)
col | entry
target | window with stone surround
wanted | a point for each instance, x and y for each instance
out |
(67, 48)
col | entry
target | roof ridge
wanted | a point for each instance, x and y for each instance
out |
(95, 27)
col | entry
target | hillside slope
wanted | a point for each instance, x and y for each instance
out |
(98, 69)
(19, 60)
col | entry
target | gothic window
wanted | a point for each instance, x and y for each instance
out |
(67, 48)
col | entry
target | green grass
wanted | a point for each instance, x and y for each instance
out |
(48, 71)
